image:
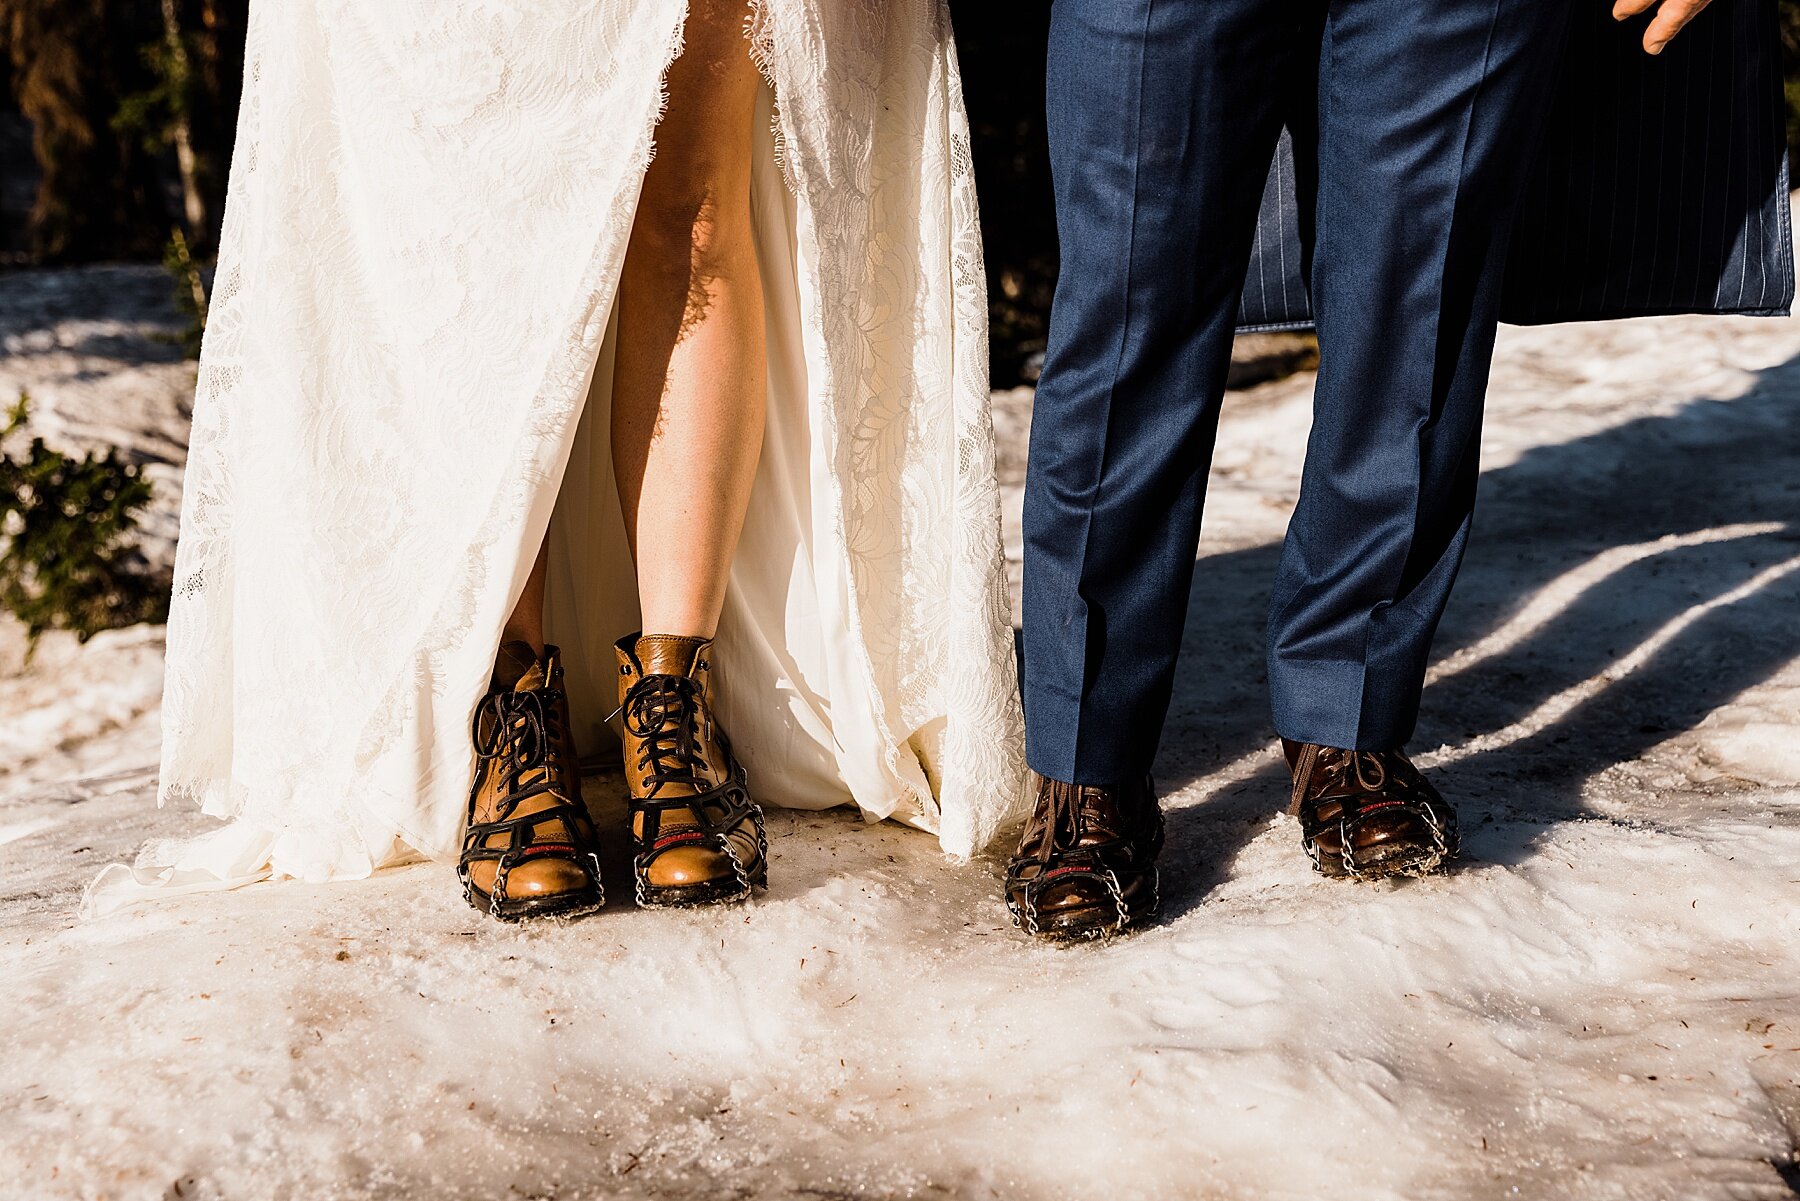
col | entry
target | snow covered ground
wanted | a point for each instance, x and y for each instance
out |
(1603, 1002)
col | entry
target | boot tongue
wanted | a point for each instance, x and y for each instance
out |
(668, 654)
(532, 680)
(517, 668)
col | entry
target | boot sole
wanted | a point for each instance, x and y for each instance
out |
(1088, 923)
(577, 902)
(1389, 863)
(709, 892)
(1085, 925)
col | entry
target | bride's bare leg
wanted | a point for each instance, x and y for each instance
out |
(527, 621)
(688, 387)
(687, 431)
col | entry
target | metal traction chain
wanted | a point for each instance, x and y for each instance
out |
(640, 867)
(1426, 811)
(1024, 914)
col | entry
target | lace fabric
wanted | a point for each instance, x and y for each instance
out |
(428, 212)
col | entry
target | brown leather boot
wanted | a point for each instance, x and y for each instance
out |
(1086, 865)
(700, 837)
(529, 849)
(1376, 804)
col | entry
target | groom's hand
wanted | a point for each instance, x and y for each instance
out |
(1671, 16)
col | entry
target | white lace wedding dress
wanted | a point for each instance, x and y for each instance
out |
(409, 352)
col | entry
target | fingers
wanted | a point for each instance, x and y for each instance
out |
(1670, 18)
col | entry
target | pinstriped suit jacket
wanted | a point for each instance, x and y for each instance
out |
(1662, 186)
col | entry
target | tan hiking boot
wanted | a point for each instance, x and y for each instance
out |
(700, 837)
(529, 850)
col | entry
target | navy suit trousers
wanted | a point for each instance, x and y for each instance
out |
(1414, 123)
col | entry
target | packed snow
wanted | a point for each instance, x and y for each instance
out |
(1600, 1002)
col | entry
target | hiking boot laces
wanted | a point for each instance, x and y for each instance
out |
(663, 712)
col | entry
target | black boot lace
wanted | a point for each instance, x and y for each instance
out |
(664, 713)
(523, 731)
